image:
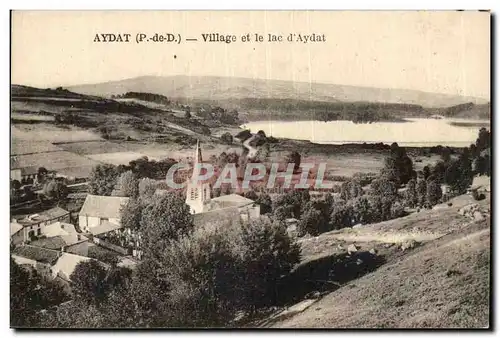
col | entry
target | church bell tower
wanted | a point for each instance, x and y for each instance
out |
(197, 193)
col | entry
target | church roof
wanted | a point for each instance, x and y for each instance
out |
(233, 200)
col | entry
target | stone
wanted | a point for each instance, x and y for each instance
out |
(478, 216)
(410, 244)
(351, 248)
(359, 225)
(373, 251)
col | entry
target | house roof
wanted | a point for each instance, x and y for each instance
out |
(46, 215)
(103, 206)
(103, 228)
(58, 229)
(38, 254)
(66, 264)
(15, 227)
(54, 243)
(57, 242)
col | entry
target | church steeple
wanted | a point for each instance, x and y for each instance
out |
(197, 193)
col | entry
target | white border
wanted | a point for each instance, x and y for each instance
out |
(181, 5)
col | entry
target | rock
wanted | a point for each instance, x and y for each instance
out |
(359, 262)
(410, 244)
(340, 247)
(357, 226)
(478, 216)
(388, 245)
(373, 251)
(351, 248)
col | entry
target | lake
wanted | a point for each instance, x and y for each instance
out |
(416, 132)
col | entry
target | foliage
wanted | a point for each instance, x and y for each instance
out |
(88, 283)
(351, 189)
(411, 196)
(294, 157)
(30, 293)
(292, 201)
(459, 173)
(131, 213)
(127, 185)
(55, 190)
(311, 220)
(341, 215)
(102, 179)
(421, 192)
(244, 135)
(266, 253)
(265, 202)
(164, 218)
(397, 210)
(227, 138)
(434, 192)
(398, 167)
(147, 188)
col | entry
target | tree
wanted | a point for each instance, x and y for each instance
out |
(294, 157)
(351, 189)
(421, 192)
(438, 172)
(102, 179)
(341, 215)
(267, 253)
(131, 213)
(311, 220)
(42, 173)
(55, 190)
(384, 187)
(263, 153)
(459, 174)
(164, 218)
(397, 210)
(29, 294)
(398, 167)
(227, 138)
(88, 282)
(484, 140)
(434, 192)
(265, 202)
(147, 187)
(187, 114)
(411, 196)
(426, 172)
(15, 184)
(362, 210)
(127, 185)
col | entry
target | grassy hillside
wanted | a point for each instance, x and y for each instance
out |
(222, 89)
(444, 282)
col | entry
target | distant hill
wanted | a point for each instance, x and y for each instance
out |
(222, 89)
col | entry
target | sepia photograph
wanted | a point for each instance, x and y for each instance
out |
(250, 169)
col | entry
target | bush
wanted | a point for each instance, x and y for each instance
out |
(397, 210)
(227, 138)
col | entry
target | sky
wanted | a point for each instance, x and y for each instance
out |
(443, 52)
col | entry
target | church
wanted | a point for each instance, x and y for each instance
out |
(204, 208)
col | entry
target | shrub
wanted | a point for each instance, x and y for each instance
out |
(397, 210)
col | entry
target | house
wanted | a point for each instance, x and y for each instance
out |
(24, 174)
(98, 210)
(74, 243)
(16, 233)
(33, 225)
(38, 258)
